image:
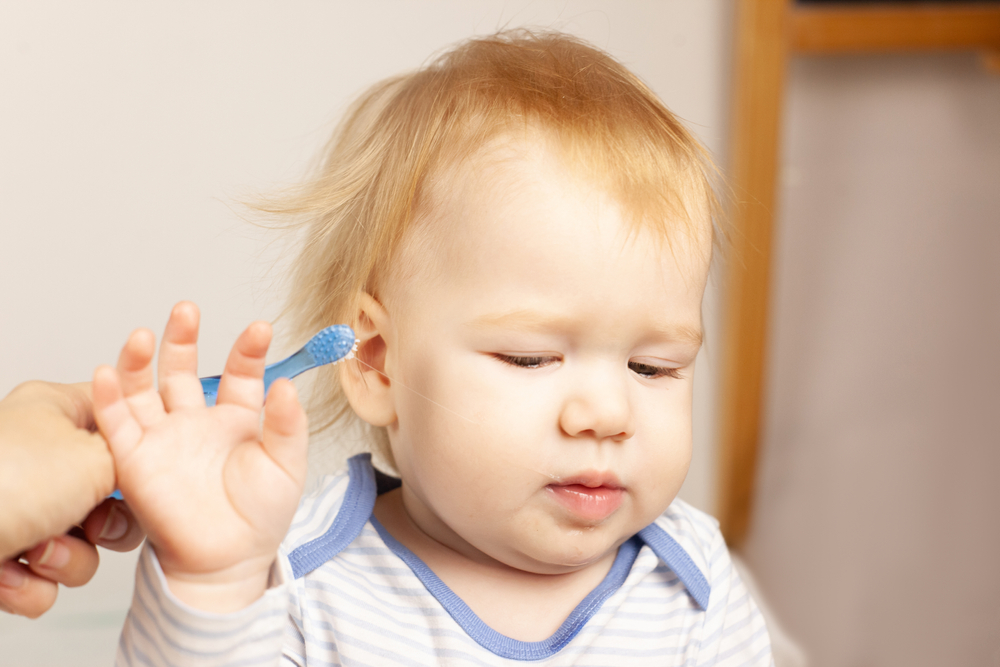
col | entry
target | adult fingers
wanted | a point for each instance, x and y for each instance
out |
(242, 380)
(178, 363)
(52, 469)
(24, 592)
(66, 559)
(111, 525)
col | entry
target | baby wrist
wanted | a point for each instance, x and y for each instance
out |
(224, 592)
(183, 635)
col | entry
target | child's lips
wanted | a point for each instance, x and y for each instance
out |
(590, 500)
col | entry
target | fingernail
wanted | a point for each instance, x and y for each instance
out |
(55, 556)
(10, 576)
(114, 526)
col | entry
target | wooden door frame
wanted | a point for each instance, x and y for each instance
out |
(768, 33)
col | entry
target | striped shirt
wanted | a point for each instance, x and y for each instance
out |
(344, 592)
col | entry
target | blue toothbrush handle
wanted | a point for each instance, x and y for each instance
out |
(210, 387)
(298, 363)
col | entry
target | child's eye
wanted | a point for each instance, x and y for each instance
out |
(525, 362)
(650, 371)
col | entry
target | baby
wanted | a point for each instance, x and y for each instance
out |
(520, 234)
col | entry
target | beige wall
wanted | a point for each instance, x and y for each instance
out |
(877, 533)
(128, 131)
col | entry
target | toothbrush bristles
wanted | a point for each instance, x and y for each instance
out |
(350, 355)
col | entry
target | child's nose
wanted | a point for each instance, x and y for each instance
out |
(598, 408)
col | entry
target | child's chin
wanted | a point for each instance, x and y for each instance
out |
(572, 555)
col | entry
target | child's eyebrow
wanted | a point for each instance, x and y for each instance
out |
(522, 320)
(530, 320)
(682, 333)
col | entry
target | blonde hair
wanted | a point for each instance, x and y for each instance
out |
(405, 129)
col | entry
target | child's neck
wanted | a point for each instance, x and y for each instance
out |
(519, 604)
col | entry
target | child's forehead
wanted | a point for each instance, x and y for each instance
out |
(511, 192)
(502, 170)
(531, 167)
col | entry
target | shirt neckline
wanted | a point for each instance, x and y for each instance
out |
(355, 512)
(500, 644)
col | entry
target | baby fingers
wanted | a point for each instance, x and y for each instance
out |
(135, 374)
(242, 380)
(286, 429)
(178, 362)
(113, 415)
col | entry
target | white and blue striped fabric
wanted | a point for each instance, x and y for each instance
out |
(344, 592)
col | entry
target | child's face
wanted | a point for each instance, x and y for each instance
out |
(558, 351)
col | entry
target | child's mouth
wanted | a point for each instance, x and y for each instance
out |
(588, 502)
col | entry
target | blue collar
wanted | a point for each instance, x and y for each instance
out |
(356, 511)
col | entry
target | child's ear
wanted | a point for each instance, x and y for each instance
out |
(367, 387)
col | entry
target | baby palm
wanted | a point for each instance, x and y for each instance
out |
(214, 492)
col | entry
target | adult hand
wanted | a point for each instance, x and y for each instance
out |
(55, 473)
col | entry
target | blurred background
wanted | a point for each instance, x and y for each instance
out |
(130, 135)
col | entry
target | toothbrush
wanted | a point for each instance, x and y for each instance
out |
(331, 345)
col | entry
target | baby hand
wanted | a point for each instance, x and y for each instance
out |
(214, 492)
